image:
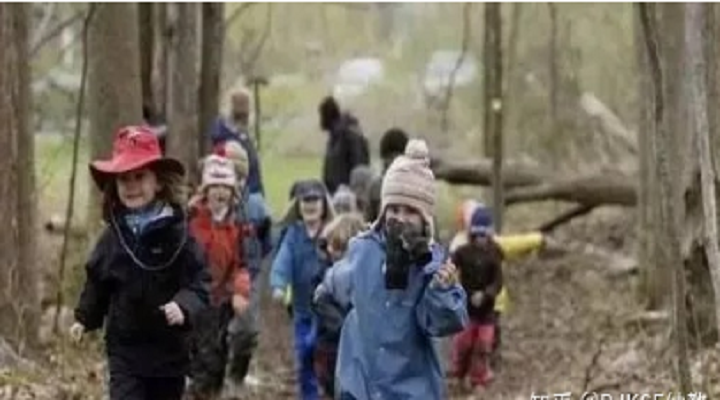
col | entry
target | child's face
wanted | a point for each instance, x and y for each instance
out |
(219, 196)
(404, 214)
(311, 208)
(137, 189)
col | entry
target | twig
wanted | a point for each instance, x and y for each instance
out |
(565, 217)
(458, 64)
(43, 40)
(237, 13)
(594, 362)
(248, 63)
(73, 174)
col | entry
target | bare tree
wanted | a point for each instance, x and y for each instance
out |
(146, 35)
(19, 303)
(493, 103)
(553, 67)
(669, 196)
(163, 34)
(696, 86)
(183, 93)
(114, 86)
(213, 38)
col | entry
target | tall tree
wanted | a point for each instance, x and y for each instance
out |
(183, 93)
(697, 95)
(213, 39)
(163, 33)
(655, 279)
(19, 303)
(114, 85)
(493, 103)
(670, 197)
(146, 35)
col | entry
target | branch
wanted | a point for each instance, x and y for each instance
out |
(250, 61)
(41, 41)
(236, 14)
(565, 217)
(594, 362)
(73, 173)
(591, 190)
(465, 43)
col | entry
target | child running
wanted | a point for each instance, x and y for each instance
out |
(331, 315)
(296, 266)
(402, 293)
(146, 277)
(214, 225)
(480, 268)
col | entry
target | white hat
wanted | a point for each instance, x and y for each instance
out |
(218, 170)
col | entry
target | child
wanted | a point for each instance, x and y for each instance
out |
(402, 292)
(345, 201)
(146, 278)
(296, 264)
(253, 214)
(330, 314)
(512, 247)
(214, 225)
(480, 268)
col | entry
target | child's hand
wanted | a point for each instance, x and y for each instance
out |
(77, 331)
(477, 298)
(240, 304)
(173, 313)
(446, 276)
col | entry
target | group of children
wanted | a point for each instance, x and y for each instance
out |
(174, 282)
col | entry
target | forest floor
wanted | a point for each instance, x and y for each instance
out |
(570, 329)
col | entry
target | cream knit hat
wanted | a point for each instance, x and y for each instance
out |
(410, 182)
(218, 170)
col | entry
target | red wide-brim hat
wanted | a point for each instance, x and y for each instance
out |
(135, 147)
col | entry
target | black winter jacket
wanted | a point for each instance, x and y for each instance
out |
(346, 149)
(480, 266)
(129, 279)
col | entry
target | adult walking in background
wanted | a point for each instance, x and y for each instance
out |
(346, 146)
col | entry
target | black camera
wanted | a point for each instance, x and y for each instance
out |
(406, 246)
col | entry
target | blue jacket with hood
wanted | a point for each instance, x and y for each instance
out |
(386, 346)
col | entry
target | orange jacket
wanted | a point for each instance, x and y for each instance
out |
(222, 244)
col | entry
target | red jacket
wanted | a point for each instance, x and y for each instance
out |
(222, 244)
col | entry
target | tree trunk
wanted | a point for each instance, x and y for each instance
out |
(670, 198)
(146, 33)
(654, 293)
(182, 143)
(697, 73)
(114, 85)
(159, 75)
(553, 71)
(493, 103)
(19, 302)
(211, 66)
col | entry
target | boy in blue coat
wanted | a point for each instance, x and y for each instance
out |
(296, 266)
(403, 293)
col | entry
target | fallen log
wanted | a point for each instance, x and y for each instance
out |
(479, 172)
(592, 190)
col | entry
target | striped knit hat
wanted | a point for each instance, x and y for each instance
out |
(410, 182)
(233, 150)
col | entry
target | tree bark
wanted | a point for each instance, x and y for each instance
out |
(19, 303)
(669, 197)
(653, 292)
(493, 103)
(213, 38)
(159, 75)
(146, 33)
(182, 143)
(553, 71)
(114, 84)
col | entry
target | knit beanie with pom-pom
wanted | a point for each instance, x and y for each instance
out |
(410, 182)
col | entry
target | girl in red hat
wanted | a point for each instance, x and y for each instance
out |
(146, 277)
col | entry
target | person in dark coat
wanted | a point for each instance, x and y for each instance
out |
(146, 277)
(392, 145)
(235, 127)
(346, 146)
